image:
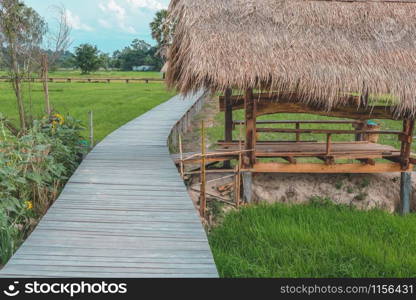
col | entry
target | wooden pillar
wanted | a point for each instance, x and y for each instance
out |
(360, 125)
(406, 177)
(247, 187)
(249, 157)
(228, 134)
(405, 192)
(250, 143)
(406, 138)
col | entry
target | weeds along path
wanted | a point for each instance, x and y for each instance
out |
(124, 213)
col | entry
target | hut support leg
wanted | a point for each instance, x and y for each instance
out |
(228, 122)
(247, 187)
(249, 159)
(251, 134)
(405, 192)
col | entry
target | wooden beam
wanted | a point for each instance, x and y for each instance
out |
(302, 122)
(287, 103)
(323, 168)
(328, 131)
(250, 143)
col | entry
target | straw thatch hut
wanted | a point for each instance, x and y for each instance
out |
(312, 56)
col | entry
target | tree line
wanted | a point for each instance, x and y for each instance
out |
(89, 58)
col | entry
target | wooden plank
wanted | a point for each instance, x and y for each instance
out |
(322, 168)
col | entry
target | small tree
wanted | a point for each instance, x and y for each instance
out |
(21, 33)
(87, 58)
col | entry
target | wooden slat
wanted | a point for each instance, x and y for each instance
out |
(124, 213)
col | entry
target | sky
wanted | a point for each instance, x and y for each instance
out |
(109, 24)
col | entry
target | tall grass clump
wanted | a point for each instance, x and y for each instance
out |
(315, 240)
(33, 168)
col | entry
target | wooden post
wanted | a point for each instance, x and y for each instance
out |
(297, 134)
(328, 144)
(360, 125)
(406, 138)
(228, 134)
(406, 177)
(405, 192)
(181, 155)
(249, 159)
(250, 144)
(247, 187)
(91, 121)
(202, 197)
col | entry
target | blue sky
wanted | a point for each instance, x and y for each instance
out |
(109, 24)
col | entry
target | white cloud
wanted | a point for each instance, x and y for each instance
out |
(118, 13)
(104, 23)
(74, 21)
(150, 4)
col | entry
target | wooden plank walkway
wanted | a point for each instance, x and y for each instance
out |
(124, 213)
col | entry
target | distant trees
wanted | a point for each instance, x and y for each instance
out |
(137, 54)
(87, 58)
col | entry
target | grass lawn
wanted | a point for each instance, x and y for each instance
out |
(100, 74)
(315, 240)
(113, 104)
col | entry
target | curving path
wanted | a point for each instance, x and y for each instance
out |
(124, 213)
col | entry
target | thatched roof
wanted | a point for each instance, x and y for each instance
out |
(318, 49)
(165, 68)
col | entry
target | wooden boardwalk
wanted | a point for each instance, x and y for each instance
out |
(124, 213)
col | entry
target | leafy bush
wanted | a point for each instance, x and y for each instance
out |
(33, 169)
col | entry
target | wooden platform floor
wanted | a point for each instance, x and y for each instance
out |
(314, 149)
(124, 213)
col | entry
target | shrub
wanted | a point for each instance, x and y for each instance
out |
(33, 169)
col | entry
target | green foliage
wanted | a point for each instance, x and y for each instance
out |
(33, 169)
(87, 58)
(320, 239)
(139, 53)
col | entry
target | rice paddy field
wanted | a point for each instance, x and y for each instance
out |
(113, 104)
(318, 240)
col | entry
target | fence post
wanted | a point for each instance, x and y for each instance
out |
(91, 125)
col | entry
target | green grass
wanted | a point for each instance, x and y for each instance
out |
(100, 74)
(113, 104)
(315, 240)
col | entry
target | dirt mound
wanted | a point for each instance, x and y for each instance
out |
(365, 191)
